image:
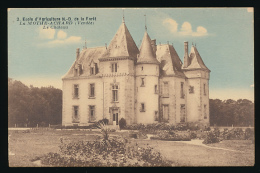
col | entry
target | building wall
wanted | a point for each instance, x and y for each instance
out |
(197, 100)
(124, 78)
(146, 94)
(83, 101)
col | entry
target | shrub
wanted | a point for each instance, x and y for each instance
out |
(249, 134)
(182, 127)
(216, 132)
(193, 135)
(211, 138)
(105, 152)
(171, 136)
(122, 123)
(207, 128)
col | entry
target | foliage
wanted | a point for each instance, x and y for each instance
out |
(150, 128)
(231, 112)
(216, 131)
(193, 135)
(211, 138)
(182, 127)
(32, 105)
(108, 151)
(171, 136)
(237, 134)
(122, 123)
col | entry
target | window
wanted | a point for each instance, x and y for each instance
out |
(76, 91)
(155, 89)
(142, 68)
(75, 72)
(182, 90)
(191, 89)
(142, 82)
(75, 114)
(165, 89)
(142, 109)
(204, 88)
(205, 111)
(182, 114)
(92, 71)
(114, 67)
(92, 90)
(165, 112)
(156, 118)
(92, 113)
(115, 93)
(80, 69)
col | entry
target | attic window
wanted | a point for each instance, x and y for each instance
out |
(92, 71)
(80, 69)
(75, 72)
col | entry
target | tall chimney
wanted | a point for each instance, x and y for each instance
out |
(153, 43)
(186, 55)
(77, 53)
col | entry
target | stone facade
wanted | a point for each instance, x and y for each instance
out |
(146, 85)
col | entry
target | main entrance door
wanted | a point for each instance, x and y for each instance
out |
(115, 116)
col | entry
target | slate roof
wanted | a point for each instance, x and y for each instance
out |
(147, 55)
(170, 62)
(86, 56)
(122, 44)
(196, 61)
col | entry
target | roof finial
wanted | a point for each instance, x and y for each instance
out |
(192, 43)
(123, 16)
(145, 22)
(195, 44)
(85, 43)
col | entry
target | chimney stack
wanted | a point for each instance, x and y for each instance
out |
(186, 55)
(77, 53)
(153, 43)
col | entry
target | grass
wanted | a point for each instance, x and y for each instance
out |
(27, 146)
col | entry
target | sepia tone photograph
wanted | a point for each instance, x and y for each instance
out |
(131, 87)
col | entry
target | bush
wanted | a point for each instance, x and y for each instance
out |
(105, 152)
(122, 123)
(193, 135)
(249, 134)
(211, 138)
(171, 136)
(182, 127)
(216, 132)
(207, 128)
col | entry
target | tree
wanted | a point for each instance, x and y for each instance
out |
(33, 105)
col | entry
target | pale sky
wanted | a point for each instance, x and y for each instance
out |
(223, 36)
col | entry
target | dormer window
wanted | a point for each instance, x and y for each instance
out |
(75, 72)
(92, 70)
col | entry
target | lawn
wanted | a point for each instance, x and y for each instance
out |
(26, 145)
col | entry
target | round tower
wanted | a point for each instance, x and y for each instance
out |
(147, 83)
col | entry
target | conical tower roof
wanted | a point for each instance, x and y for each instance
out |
(196, 61)
(147, 55)
(122, 44)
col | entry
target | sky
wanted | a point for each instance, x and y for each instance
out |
(39, 55)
